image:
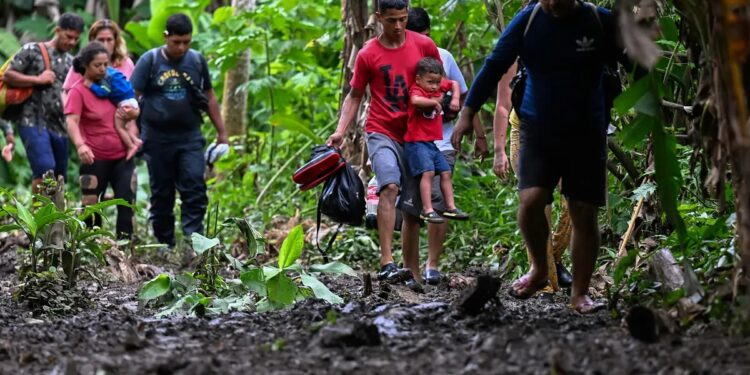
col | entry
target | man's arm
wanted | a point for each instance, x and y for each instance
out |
(500, 122)
(348, 112)
(17, 79)
(214, 113)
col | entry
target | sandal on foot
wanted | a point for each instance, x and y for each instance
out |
(456, 214)
(524, 289)
(431, 276)
(588, 307)
(431, 217)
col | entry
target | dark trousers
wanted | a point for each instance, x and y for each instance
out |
(96, 177)
(176, 166)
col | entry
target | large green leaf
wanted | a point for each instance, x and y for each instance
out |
(157, 287)
(26, 218)
(335, 268)
(625, 263)
(221, 14)
(636, 132)
(630, 97)
(281, 289)
(255, 281)
(9, 228)
(113, 6)
(668, 175)
(9, 45)
(255, 240)
(201, 243)
(292, 247)
(293, 123)
(320, 290)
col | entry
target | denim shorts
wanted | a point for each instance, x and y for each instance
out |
(424, 157)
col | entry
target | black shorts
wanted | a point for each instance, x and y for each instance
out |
(578, 161)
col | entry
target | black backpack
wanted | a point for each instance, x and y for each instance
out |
(610, 79)
(343, 201)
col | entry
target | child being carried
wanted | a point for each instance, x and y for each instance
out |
(116, 87)
(424, 126)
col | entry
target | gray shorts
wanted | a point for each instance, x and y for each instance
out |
(438, 203)
(389, 165)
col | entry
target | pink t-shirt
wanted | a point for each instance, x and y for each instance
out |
(97, 122)
(73, 77)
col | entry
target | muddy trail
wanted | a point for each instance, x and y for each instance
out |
(393, 330)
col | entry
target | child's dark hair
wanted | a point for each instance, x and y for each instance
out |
(419, 20)
(178, 24)
(70, 21)
(86, 55)
(384, 5)
(430, 65)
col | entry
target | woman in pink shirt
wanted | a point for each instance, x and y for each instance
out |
(108, 33)
(91, 128)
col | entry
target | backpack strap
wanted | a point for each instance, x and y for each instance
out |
(596, 14)
(537, 6)
(45, 56)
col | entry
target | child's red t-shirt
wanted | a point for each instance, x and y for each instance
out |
(425, 127)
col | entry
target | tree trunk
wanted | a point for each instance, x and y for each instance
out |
(731, 77)
(359, 27)
(234, 103)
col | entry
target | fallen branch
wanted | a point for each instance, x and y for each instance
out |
(631, 228)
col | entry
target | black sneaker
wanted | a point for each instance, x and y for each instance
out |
(431, 277)
(392, 274)
(564, 278)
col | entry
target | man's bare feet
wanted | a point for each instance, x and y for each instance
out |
(528, 284)
(585, 305)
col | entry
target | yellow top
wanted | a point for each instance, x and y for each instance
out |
(514, 120)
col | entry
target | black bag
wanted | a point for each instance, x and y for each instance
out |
(343, 197)
(342, 200)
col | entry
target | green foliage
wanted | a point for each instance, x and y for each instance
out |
(79, 241)
(264, 288)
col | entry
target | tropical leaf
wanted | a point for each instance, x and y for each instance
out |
(334, 268)
(157, 287)
(293, 123)
(201, 243)
(320, 290)
(281, 289)
(292, 247)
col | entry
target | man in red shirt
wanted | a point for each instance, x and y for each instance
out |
(388, 64)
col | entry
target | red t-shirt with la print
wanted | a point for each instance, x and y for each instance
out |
(425, 126)
(390, 72)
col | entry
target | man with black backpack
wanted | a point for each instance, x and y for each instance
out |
(565, 49)
(174, 88)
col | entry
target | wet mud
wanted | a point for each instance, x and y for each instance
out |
(391, 331)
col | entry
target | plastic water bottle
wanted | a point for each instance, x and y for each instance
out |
(371, 204)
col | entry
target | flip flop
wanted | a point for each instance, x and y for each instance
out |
(588, 307)
(527, 290)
